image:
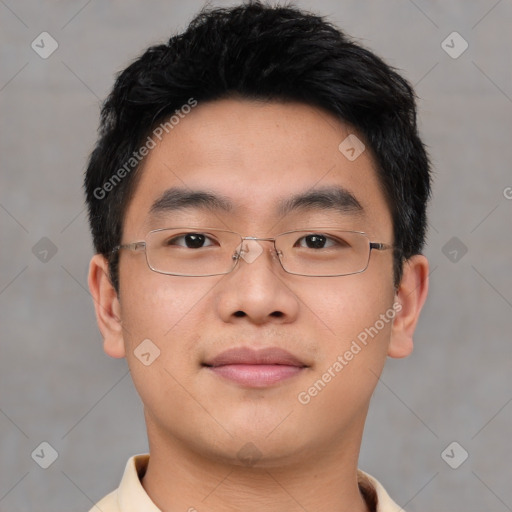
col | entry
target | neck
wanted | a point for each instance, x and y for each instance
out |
(178, 478)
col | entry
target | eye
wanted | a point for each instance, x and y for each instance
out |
(190, 241)
(314, 241)
(321, 241)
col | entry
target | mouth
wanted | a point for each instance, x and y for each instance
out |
(255, 368)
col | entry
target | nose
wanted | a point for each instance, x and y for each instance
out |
(256, 290)
(250, 248)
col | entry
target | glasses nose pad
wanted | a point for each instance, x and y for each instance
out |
(249, 250)
(238, 253)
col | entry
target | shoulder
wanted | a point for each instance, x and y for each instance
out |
(130, 495)
(375, 494)
(109, 503)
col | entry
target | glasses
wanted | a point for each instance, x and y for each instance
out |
(201, 252)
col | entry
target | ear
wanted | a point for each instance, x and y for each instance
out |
(107, 307)
(409, 300)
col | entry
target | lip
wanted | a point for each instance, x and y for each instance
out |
(255, 368)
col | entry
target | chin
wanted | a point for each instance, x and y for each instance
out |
(260, 452)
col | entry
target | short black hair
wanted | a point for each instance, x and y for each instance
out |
(271, 53)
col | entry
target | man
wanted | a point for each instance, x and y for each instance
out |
(257, 200)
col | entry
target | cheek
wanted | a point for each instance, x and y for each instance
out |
(348, 305)
(359, 317)
(170, 311)
(358, 313)
(157, 306)
(162, 320)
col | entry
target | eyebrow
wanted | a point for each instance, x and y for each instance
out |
(175, 199)
(328, 198)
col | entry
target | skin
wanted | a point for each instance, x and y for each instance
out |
(256, 153)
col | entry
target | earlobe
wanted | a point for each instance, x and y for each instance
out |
(410, 297)
(107, 307)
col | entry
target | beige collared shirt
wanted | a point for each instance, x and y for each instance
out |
(130, 496)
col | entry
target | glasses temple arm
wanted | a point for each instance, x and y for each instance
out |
(134, 246)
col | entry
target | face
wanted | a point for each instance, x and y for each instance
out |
(336, 331)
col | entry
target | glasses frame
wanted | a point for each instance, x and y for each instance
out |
(141, 245)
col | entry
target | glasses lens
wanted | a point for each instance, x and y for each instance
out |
(206, 252)
(192, 251)
(324, 252)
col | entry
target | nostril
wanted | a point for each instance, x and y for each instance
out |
(239, 313)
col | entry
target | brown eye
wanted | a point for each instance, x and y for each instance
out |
(315, 241)
(190, 241)
(320, 241)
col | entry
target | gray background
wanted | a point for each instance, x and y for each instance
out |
(58, 386)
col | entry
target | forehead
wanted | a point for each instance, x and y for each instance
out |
(258, 162)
